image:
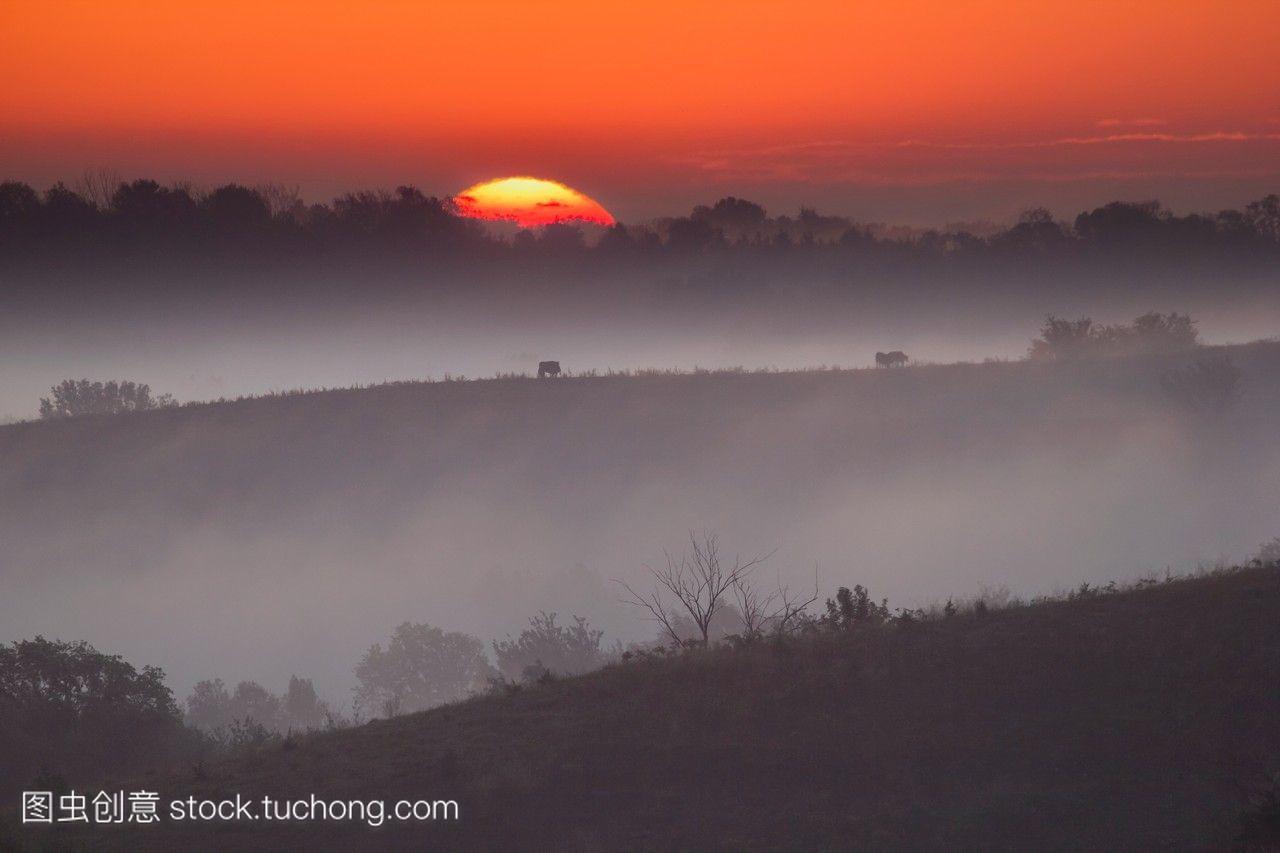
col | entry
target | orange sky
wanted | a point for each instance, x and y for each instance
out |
(641, 103)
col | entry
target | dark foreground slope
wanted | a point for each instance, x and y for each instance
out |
(1123, 721)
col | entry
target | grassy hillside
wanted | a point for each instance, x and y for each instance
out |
(309, 525)
(268, 456)
(1131, 720)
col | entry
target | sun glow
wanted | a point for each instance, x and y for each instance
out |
(529, 202)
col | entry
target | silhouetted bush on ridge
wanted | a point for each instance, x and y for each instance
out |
(545, 647)
(74, 397)
(1151, 334)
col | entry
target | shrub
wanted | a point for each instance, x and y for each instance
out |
(244, 734)
(1063, 339)
(1156, 332)
(855, 608)
(545, 647)
(1153, 332)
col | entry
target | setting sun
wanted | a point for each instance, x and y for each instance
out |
(529, 202)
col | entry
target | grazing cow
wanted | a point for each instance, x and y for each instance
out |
(897, 358)
(548, 368)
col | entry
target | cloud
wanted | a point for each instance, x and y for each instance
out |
(1215, 136)
(1125, 154)
(1130, 122)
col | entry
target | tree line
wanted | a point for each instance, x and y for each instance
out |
(104, 218)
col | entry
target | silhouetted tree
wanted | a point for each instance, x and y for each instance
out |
(404, 220)
(146, 206)
(20, 214)
(696, 586)
(1121, 224)
(283, 202)
(855, 608)
(209, 705)
(253, 703)
(301, 707)
(212, 708)
(97, 186)
(1036, 230)
(70, 708)
(421, 667)
(234, 210)
(67, 213)
(736, 217)
(726, 623)
(76, 678)
(19, 203)
(1264, 217)
(778, 612)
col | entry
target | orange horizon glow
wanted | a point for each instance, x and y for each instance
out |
(529, 202)
(641, 102)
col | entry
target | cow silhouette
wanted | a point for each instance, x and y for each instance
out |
(548, 368)
(897, 358)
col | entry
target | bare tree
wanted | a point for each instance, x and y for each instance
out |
(779, 612)
(792, 609)
(281, 199)
(699, 582)
(658, 610)
(757, 610)
(197, 192)
(98, 186)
